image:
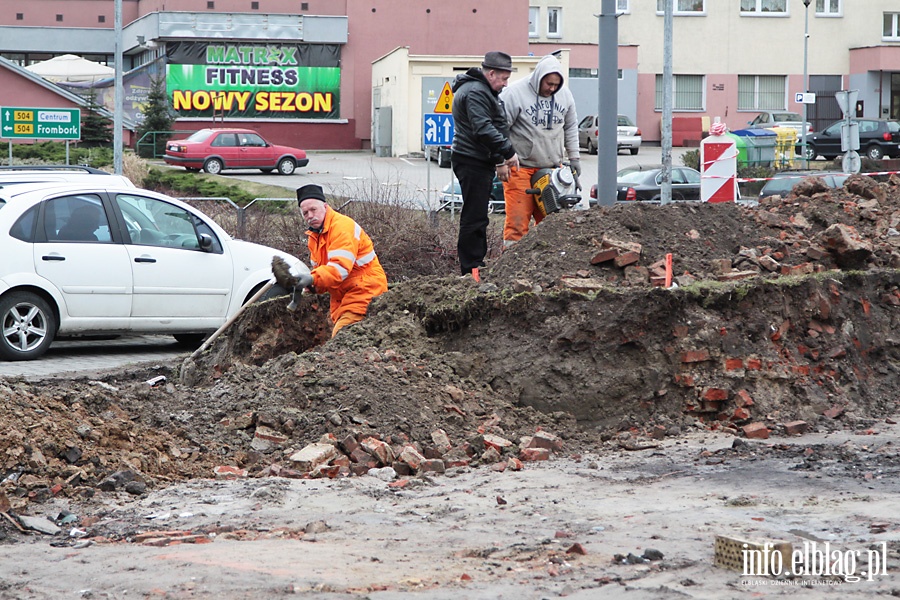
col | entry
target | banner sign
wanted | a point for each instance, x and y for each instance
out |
(244, 80)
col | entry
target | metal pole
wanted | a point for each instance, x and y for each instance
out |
(666, 125)
(607, 103)
(805, 85)
(119, 94)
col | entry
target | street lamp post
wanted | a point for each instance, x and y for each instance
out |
(805, 83)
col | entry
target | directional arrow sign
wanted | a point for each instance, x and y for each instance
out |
(40, 123)
(437, 129)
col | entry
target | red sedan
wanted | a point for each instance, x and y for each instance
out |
(215, 150)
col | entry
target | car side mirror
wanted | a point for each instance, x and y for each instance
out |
(206, 241)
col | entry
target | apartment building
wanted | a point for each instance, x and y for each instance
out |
(732, 58)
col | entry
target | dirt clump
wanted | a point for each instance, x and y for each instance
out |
(781, 312)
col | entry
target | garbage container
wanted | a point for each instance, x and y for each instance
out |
(785, 143)
(759, 145)
(740, 144)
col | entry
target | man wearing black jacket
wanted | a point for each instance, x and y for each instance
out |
(481, 147)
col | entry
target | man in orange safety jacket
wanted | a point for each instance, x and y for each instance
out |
(342, 258)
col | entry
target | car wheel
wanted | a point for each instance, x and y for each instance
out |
(592, 149)
(811, 152)
(267, 171)
(213, 166)
(286, 166)
(276, 291)
(875, 152)
(190, 339)
(634, 151)
(28, 325)
(443, 159)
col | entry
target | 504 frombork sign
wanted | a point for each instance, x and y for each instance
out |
(286, 81)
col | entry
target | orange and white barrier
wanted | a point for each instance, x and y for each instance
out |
(718, 166)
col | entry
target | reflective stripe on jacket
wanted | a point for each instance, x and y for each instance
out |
(345, 265)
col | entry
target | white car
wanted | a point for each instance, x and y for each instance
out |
(59, 174)
(83, 259)
(773, 119)
(628, 135)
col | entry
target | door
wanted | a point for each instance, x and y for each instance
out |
(175, 281)
(226, 145)
(81, 260)
(255, 152)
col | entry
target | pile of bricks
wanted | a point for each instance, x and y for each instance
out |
(358, 453)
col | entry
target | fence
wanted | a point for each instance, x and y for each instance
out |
(156, 147)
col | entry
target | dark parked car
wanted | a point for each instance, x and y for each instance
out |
(782, 183)
(497, 203)
(215, 150)
(642, 184)
(877, 138)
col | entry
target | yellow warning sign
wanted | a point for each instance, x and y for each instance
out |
(445, 101)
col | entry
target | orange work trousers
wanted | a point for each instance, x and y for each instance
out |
(520, 207)
(348, 318)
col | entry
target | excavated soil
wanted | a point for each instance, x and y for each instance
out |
(780, 313)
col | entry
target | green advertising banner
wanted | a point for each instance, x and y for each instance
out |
(253, 80)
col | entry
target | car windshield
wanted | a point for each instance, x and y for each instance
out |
(632, 176)
(780, 117)
(200, 136)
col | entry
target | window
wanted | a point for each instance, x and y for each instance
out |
(554, 22)
(152, 222)
(829, 8)
(534, 13)
(761, 92)
(20, 16)
(76, 219)
(59, 18)
(211, 5)
(101, 18)
(622, 6)
(764, 7)
(254, 6)
(682, 7)
(891, 26)
(687, 92)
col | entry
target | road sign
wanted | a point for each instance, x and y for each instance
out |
(846, 99)
(445, 101)
(40, 123)
(437, 130)
(805, 98)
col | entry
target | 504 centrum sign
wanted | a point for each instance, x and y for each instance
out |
(40, 123)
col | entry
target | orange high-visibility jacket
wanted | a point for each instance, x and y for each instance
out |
(345, 265)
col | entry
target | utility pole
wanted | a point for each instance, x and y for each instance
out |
(607, 103)
(666, 125)
(805, 85)
(119, 97)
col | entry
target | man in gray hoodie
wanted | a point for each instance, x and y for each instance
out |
(543, 128)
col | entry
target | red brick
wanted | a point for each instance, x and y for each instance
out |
(716, 394)
(605, 256)
(515, 464)
(545, 439)
(411, 456)
(229, 472)
(740, 414)
(685, 380)
(692, 356)
(744, 398)
(400, 483)
(381, 451)
(834, 412)
(756, 431)
(576, 549)
(734, 364)
(497, 442)
(628, 258)
(796, 427)
(754, 364)
(533, 454)
(680, 331)
(432, 466)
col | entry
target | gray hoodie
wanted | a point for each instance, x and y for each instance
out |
(543, 131)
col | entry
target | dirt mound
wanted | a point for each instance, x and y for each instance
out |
(767, 327)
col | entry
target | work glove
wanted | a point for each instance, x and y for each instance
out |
(282, 272)
(305, 281)
(575, 165)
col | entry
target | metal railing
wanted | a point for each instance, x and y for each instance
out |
(157, 142)
(240, 211)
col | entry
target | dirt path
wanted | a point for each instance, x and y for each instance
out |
(484, 534)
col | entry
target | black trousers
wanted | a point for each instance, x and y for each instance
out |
(475, 182)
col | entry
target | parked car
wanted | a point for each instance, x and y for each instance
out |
(628, 136)
(642, 183)
(772, 119)
(497, 203)
(19, 174)
(215, 150)
(783, 182)
(441, 154)
(877, 138)
(88, 259)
